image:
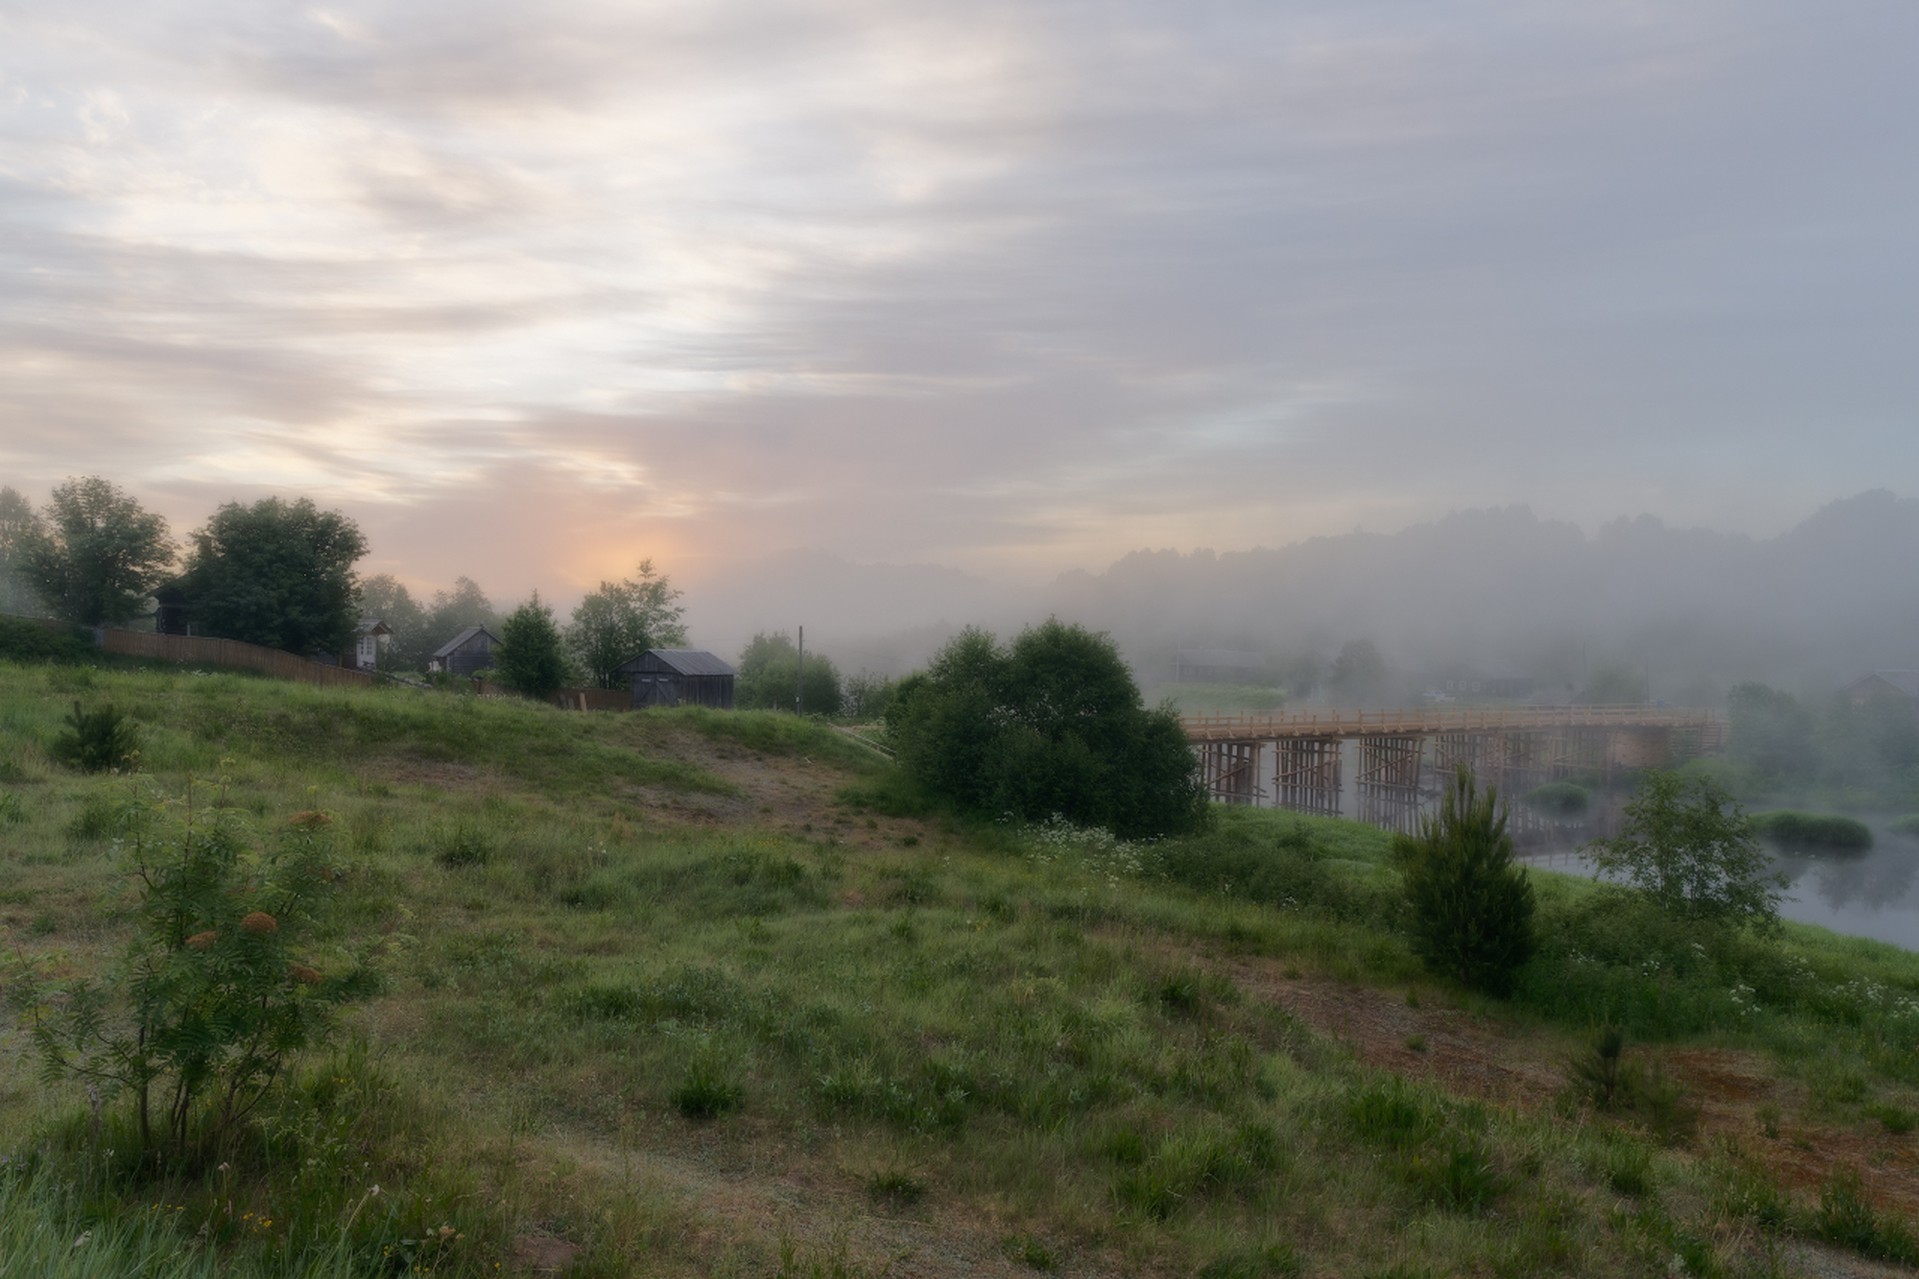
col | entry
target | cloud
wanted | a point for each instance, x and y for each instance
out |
(1007, 285)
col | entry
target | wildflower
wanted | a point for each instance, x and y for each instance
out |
(310, 819)
(260, 924)
(203, 941)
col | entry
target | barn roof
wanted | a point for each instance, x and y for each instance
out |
(686, 661)
(374, 626)
(464, 638)
(1906, 682)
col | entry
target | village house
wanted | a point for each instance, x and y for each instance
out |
(679, 677)
(1880, 686)
(1219, 666)
(467, 653)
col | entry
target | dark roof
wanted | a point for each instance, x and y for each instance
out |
(1906, 682)
(686, 661)
(374, 626)
(464, 638)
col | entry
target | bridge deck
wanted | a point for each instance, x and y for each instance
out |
(1433, 720)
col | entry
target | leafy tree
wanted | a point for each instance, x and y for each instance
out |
(222, 985)
(96, 554)
(531, 658)
(19, 526)
(1052, 724)
(1471, 905)
(276, 573)
(1358, 673)
(1615, 684)
(866, 696)
(623, 619)
(1688, 846)
(452, 612)
(1771, 732)
(770, 672)
(411, 643)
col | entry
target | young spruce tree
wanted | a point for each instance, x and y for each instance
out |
(1472, 909)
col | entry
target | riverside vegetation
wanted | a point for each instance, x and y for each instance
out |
(690, 993)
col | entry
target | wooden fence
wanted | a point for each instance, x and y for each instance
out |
(230, 653)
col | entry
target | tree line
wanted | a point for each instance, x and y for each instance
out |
(280, 573)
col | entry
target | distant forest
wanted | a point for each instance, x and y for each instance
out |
(1684, 614)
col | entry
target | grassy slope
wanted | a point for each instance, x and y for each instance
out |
(657, 1002)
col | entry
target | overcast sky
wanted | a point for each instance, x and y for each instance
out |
(534, 290)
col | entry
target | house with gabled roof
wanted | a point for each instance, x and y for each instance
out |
(679, 677)
(467, 653)
(1902, 686)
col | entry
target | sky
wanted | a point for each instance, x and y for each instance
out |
(1008, 286)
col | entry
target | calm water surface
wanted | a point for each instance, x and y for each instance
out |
(1871, 894)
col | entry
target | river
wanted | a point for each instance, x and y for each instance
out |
(1874, 893)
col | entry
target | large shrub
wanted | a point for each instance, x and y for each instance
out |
(225, 982)
(1689, 847)
(531, 658)
(1470, 905)
(1052, 724)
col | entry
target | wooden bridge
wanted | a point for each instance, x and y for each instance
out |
(1512, 747)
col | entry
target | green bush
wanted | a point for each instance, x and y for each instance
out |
(24, 641)
(97, 741)
(1688, 846)
(1050, 725)
(1561, 799)
(1471, 907)
(531, 658)
(770, 674)
(218, 989)
(1812, 832)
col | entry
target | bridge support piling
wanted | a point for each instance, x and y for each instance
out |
(1306, 774)
(1231, 771)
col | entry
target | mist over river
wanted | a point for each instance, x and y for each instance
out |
(1874, 893)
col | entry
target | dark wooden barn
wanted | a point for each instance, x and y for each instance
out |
(469, 651)
(680, 677)
(173, 609)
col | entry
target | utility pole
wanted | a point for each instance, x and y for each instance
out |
(799, 679)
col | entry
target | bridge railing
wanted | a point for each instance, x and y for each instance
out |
(1426, 720)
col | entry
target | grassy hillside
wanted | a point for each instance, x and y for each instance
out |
(681, 993)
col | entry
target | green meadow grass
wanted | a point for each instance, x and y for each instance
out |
(593, 1001)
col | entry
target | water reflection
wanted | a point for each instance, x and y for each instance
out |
(1871, 894)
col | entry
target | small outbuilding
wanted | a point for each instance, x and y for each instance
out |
(467, 653)
(1219, 666)
(679, 677)
(365, 653)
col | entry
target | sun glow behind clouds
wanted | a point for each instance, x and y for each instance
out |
(1002, 283)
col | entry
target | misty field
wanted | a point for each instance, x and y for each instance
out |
(689, 993)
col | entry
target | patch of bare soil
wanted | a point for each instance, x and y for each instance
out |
(805, 1201)
(420, 772)
(1457, 1051)
(1476, 1057)
(791, 794)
